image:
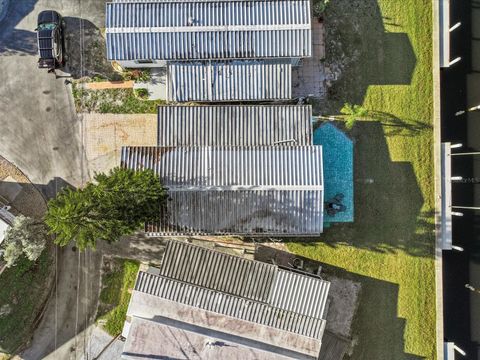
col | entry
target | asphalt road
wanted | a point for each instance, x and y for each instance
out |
(42, 135)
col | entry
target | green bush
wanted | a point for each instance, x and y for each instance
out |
(319, 7)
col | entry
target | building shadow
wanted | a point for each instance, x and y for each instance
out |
(14, 41)
(388, 201)
(85, 50)
(376, 330)
(381, 58)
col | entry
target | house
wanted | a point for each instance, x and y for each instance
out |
(235, 169)
(225, 190)
(207, 304)
(151, 33)
(213, 50)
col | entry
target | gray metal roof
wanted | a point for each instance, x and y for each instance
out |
(229, 305)
(193, 30)
(239, 80)
(255, 280)
(234, 125)
(282, 167)
(275, 190)
(218, 271)
(265, 213)
(295, 292)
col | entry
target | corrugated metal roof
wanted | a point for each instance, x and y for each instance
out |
(218, 271)
(283, 167)
(286, 289)
(229, 305)
(234, 125)
(230, 81)
(276, 213)
(246, 278)
(235, 190)
(192, 30)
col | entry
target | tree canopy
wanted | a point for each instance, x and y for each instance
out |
(114, 205)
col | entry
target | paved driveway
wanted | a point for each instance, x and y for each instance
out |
(41, 134)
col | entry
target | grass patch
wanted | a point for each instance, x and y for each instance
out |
(117, 282)
(384, 51)
(24, 288)
(112, 101)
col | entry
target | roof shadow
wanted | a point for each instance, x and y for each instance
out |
(85, 50)
(15, 41)
(358, 61)
(388, 201)
(368, 319)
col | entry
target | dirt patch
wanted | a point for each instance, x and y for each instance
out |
(105, 134)
(343, 304)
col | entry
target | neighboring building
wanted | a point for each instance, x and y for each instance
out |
(234, 125)
(205, 304)
(213, 50)
(260, 190)
(6, 220)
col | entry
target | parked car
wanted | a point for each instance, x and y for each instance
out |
(50, 27)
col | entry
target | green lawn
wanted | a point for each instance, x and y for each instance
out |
(117, 283)
(24, 288)
(385, 48)
(112, 101)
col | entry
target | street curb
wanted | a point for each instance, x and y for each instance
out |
(437, 170)
(3, 8)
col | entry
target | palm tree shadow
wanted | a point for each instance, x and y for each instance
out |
(394, 126)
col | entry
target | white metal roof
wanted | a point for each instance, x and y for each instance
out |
(3, 228)
(236, 190)
(192, 30)
(244, 80)
(234, 125)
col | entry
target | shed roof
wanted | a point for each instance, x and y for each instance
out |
(239, 80)
(236, 190)
(193, 30)
(234, 125)
(254, 280)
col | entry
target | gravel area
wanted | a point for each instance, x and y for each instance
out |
(28, 200)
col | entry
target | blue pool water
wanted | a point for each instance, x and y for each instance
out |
(337, 169)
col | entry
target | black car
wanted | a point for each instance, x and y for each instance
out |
(50, 39)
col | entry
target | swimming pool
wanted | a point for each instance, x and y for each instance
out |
(337, 169)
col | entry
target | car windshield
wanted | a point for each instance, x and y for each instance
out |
(46, 26)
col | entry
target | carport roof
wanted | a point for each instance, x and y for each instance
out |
(221, 81)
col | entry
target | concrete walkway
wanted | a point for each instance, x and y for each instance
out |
(157, 86)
